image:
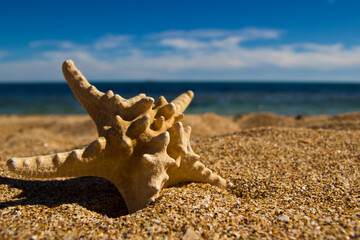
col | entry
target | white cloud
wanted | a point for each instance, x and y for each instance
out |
(314, 47)
(182, 43)
(308, 56)
(61, 44)
(110, 41)
(202, 53)
(246, 33)
(213, 38)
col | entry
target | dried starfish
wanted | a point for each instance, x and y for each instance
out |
(142, 147)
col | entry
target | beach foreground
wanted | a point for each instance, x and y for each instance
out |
(293, 176)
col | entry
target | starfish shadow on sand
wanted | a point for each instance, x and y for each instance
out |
(93, 193)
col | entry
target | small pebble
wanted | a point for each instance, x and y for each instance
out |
(284, 218)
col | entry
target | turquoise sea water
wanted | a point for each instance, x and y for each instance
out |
(220, 97)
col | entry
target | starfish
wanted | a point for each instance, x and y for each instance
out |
(142, 147)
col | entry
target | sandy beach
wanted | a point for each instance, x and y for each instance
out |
(295, 177)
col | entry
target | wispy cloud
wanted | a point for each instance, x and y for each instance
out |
(213, 38)
(60, 44)
(246, 34)
(110, 41)
(201, 53)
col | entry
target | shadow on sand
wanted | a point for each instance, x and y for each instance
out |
(95, 194)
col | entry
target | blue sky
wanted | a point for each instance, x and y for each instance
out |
(295, 40)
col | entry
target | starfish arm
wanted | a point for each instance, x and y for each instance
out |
(178, 142)
(147, 177)
(192, 170)
(183, 101)
(76, 163)
(188, 167)
(146, 181)
(85, 93)
(100, 106)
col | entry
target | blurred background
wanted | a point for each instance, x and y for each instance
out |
(285, 57)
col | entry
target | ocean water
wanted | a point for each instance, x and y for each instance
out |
(225, 98)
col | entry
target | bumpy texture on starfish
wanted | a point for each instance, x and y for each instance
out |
(142, 147)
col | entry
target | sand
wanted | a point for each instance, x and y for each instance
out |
(294, 177)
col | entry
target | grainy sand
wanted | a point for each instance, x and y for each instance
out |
(294, 177)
